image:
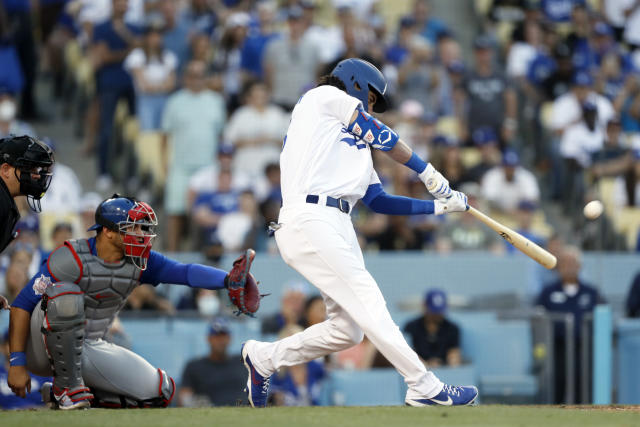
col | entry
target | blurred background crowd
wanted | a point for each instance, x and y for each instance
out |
(530, 107)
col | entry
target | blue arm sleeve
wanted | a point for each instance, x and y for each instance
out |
(161, 269)
(379, 201)
(27, 299)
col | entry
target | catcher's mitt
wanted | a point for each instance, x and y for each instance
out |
(242, 286)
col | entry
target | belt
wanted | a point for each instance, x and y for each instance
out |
(340, 204)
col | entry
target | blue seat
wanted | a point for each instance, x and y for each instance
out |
(502, 354)
(628, 374)
(365, 388)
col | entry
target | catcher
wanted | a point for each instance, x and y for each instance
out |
(59, 319)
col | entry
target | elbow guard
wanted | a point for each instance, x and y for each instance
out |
(373, 131)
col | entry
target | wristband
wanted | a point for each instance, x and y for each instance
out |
(18, 358)
(416, 163)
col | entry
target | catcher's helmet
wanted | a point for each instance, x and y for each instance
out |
(135, 220)
(360, 76)
(34, 160)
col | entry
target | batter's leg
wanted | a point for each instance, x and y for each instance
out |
(121, 378)
(326, 256)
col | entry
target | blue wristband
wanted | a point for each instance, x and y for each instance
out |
(18, 358)
(416, 163)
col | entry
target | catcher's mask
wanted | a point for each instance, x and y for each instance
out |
(134, 220)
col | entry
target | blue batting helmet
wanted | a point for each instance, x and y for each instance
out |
(112, 211)
(359, 77)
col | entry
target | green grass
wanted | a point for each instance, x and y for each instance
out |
(487, 415)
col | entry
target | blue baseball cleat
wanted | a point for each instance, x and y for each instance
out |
(257, 386)
(449, 396)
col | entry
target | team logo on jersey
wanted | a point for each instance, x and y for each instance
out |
(41, 284)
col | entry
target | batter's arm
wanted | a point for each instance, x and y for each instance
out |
(19, 380)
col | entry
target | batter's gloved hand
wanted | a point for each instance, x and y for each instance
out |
(437, 184)
(456, 203)
(242, 286)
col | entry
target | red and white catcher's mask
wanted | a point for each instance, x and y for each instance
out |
(138, 233)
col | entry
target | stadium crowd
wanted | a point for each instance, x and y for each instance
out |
(185, 103)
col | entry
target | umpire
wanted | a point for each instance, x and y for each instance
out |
(26, 166)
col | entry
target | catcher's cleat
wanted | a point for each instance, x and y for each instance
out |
(65, 399)
(257, 386)
(449, 396)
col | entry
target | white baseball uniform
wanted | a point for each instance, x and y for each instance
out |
(320, 158)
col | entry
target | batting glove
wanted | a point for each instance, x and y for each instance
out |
(437, 184)
(456, 203)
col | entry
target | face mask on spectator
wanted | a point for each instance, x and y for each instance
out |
(7, 110)
(208, 305)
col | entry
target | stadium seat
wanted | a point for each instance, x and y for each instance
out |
(628, 375)
(365, 388)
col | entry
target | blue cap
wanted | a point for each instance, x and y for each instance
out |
(602, 29)
(589, 105)
(29, 223)
(527, 205)
(582, 78)
(483, 42)
(219, 326)
(295, 12)
(510, 158)
(445, 140)
(407, 22)
(484, 135)
(436, 301)
(456, 67)
(226, 148)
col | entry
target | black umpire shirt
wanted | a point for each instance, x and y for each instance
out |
(8, 216)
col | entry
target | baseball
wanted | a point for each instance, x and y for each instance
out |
(593, 209)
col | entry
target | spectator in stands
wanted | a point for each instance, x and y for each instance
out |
(61, 232)
(578, 143)
(633, 298)
(314, 311)
(298, 385)
(629, 104)
(227, 58)
(216, 379)
(291, 62)
(256, 131)
(522, 53)
(573, 296)
(145, 297)
(486, 141)
(65, 191)
(16, 277)
(291, 309)
(252, 55)
(561, 73)
(631, 33)
(201, 16)
(192, 122)
(88, 205)
(505, 186)
(428, 26)
(112, 42)
(433, 337)
(423, 79)
(153, 69)
(9, 123)
(18, 31)
(9, 400)
(567, 108)
(525, 215)
(209, 208)
(490, 98)
(177, 29)
(398, 52)
(580, 38)
(612, 159)
(240, 230)
(626, 191)
(465, 232)
(559, 11)
(447, 156)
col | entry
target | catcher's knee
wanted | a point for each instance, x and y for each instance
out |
(166, 390)
(63, 305)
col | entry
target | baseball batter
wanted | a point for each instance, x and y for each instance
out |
(59, 319)
(326, 168)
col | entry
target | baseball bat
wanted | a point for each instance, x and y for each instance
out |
(526, 246)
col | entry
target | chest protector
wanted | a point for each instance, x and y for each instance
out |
(106, 285)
